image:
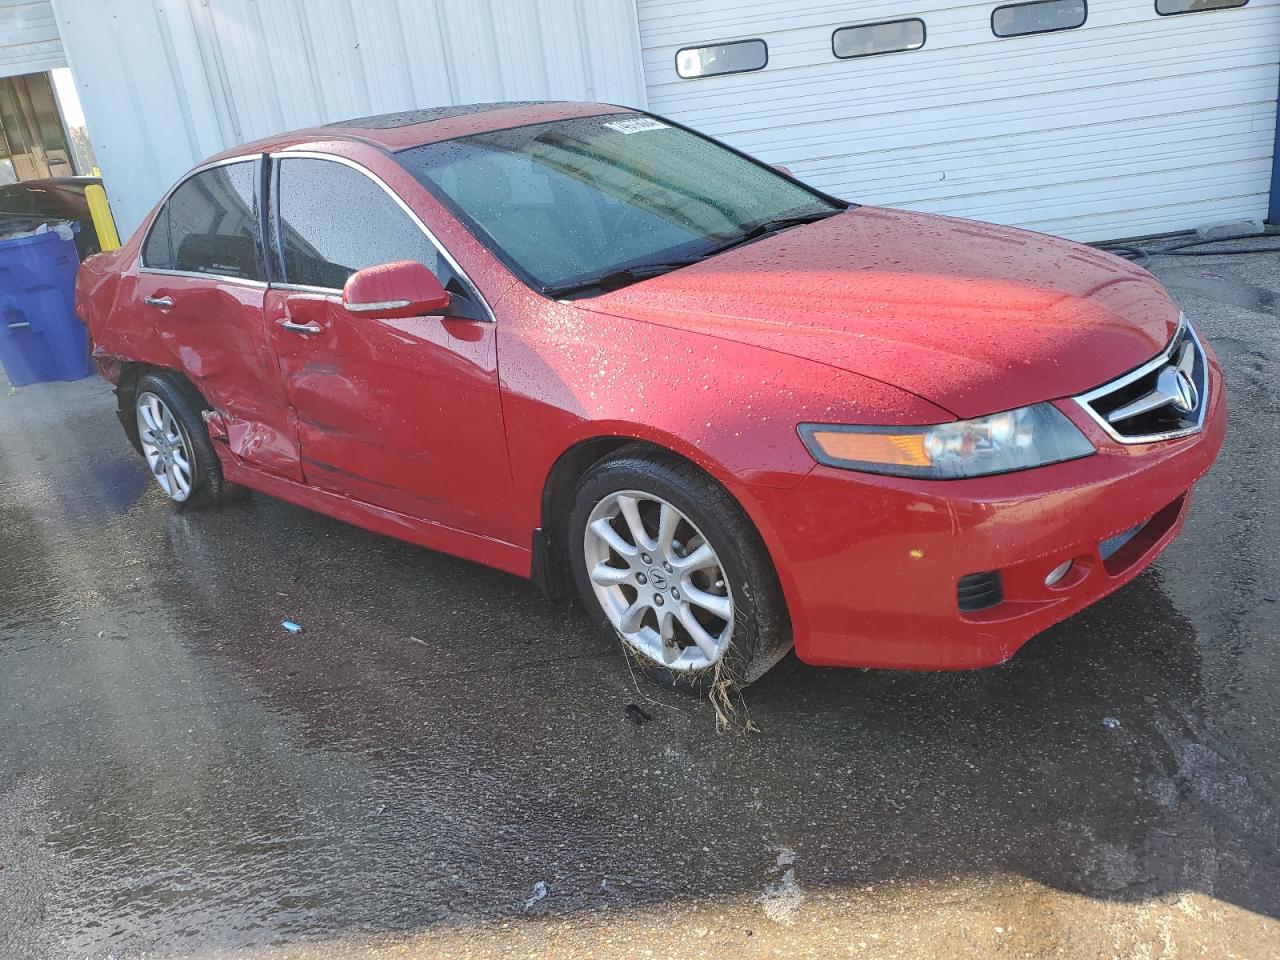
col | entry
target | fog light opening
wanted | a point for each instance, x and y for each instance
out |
(1057, 573)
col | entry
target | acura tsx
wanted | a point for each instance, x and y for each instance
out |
(595, 348)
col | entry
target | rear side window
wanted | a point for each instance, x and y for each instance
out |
(334, 221)
(156, 252)
(740, 56)
(1041, 16)
(209, 226)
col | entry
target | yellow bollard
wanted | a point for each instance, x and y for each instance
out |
(104, 225)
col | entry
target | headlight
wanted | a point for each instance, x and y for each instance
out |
(1014, 440)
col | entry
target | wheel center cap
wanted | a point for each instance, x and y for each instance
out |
(658, 578)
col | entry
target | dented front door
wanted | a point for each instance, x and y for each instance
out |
(401, 414)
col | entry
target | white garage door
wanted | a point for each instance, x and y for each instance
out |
(1132, 123)
(29, 41)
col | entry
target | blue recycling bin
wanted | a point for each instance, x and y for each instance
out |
(41, 338)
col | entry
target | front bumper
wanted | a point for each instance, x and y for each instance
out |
(870, 565)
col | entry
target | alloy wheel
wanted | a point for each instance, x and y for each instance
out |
(659, 581)
(166, 446)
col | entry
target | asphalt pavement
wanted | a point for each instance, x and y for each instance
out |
(441, 764)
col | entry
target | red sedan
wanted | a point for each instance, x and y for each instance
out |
(595, 348)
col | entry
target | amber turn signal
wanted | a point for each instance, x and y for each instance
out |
(899, 449)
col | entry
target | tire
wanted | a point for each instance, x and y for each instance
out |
(616, 575)
(165, 399)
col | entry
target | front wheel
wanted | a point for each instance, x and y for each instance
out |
(668, 561)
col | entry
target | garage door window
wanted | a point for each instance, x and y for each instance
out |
(741, 56)
(209, 226)
(1169, 7)
(1044, 16)
(871, 39)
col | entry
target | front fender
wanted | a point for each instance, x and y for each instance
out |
(569, 375)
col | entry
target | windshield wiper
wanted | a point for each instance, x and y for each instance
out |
(620, 278)
(613, 279)
(768, 227)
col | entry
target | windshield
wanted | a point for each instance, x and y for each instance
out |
(569, 202)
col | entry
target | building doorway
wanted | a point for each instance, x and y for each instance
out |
(42, 129)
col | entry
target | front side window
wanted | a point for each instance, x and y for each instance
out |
(1041, 16)
(741, 56)
(334, 220)
(1169, 7)
(871, 39)
(570, 200)
(209, 225)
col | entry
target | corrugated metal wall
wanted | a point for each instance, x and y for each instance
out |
(1133, 124)
(165, 83)
(29, 40)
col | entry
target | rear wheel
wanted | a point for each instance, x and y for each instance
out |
(667, 561)
(175, 443)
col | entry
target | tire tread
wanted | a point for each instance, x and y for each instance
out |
(769, 638)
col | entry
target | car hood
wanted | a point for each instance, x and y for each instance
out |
(972, 317)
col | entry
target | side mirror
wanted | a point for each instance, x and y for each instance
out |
(393, 291)
(782, 168)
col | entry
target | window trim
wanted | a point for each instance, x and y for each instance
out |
(720, 43)
(924, 31)
(1033, 33)
(1183, 13)
(163, 207)
(278, 249)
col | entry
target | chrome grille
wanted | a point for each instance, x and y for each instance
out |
(1164, 398)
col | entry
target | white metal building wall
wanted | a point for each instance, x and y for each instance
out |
(165, 83)
(29, 40)
(1132, 124)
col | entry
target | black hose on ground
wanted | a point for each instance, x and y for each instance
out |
(1141, 254)
(1138, 255)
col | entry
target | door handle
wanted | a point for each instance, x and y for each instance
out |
(309, 328)
(164, 303)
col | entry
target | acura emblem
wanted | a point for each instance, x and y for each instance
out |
(1188, 397)
(1176, 384)
(1175, 387)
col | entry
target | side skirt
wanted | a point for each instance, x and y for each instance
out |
(424, 533)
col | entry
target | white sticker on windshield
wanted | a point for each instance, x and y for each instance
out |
(636, 125)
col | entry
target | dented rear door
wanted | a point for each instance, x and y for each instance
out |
(200, 293)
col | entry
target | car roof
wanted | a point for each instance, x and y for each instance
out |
(412, 128)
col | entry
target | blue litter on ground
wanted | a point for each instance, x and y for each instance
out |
(291, 626)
